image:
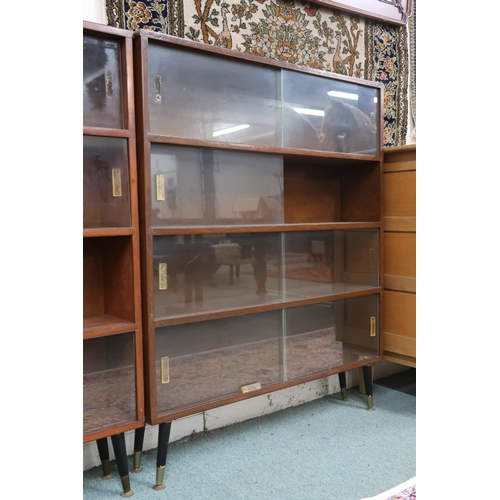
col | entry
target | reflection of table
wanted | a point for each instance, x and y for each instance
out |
(229, 254)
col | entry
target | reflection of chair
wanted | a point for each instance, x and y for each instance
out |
(230, 254)
(318, 250)
(195, 260)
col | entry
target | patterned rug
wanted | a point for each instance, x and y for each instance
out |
(404, 491)
(412, 25)
(291, 31)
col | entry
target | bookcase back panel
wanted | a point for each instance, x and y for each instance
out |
(108, 280)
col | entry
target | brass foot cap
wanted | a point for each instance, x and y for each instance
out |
(344, 394)
(127, 494)
(109, 476)
(370, 402)
(159, 487)
(139, 469)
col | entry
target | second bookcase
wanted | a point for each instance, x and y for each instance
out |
(260, 196)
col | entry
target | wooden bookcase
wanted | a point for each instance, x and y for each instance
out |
(113, 382)
(400, 234)
(261, 222)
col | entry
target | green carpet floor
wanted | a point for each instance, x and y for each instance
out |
(326, 449)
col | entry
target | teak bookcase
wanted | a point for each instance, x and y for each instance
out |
(400, 236)
(113, 382)
(260, 201)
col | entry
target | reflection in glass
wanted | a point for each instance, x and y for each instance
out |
(215, 359)
(109, 392)
(102, 94)
(202, 273)
(329, 115)
(212, 98)
(204, 187)
(200, 362)
(329, 262)
(325, 336)
(214, 272)
(106, 198)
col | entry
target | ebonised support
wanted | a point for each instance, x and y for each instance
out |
(102, 446)
(138, 445)
(367, 377)
(118, 441)
(161, 458)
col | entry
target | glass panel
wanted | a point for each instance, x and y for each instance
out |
(329, 115)
(106, 196)
(202, 97)
(215, 359)
(201, 273)
(109, 391)
(329, 262)
(102, 92)
(321, 337)
(205, 187)
(214, 272)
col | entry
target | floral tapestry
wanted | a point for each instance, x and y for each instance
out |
(291, 31)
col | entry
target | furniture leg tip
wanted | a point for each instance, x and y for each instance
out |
(370, 403)
(127, 492)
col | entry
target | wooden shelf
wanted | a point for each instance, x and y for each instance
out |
(113, 384)
(105, 324)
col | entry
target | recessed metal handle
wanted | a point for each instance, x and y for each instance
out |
(157, 84)
(160, 187)
(165, 370)
(108, 81)
(116, 181)
(162, 276)
(373, 327)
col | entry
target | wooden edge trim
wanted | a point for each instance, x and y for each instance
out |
(403, 224)
(400, 283)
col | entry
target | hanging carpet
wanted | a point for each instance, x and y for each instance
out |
(291, 31)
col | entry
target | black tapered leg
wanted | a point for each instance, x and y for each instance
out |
(102, 446)
(367, 377)
(138, 444)
(343, 385)
(118, 441)
(161, 458)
